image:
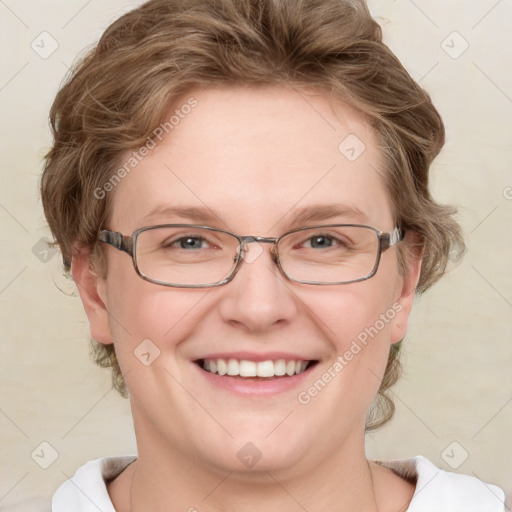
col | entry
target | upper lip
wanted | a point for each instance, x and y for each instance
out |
(256, 356)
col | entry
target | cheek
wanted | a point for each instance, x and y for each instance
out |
(357, 320)
(359, 311)
(146, 318)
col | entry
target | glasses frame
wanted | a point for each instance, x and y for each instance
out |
(128, 244)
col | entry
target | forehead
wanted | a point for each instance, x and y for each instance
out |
(254, 158)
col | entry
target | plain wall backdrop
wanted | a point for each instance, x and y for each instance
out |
(454, 401)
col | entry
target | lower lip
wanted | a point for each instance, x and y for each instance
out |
(251, 387)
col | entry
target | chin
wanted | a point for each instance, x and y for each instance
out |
(253, 451)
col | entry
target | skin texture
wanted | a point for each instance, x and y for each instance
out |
(253, 157)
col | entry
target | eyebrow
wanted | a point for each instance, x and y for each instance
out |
(195, 214)
(327, 212)
(308, 214)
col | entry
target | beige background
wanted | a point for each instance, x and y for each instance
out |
(457, 385)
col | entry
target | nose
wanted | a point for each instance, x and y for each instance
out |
(259, 297)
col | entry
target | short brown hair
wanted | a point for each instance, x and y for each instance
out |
(117, 95)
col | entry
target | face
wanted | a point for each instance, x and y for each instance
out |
(249, 161)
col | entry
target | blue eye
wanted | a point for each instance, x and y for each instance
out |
(189, 242)
(324, 241)
(319, 241)
(186, 243)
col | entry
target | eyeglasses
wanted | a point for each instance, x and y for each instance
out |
(190, 256)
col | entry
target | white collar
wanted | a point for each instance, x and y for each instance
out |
(436, 490)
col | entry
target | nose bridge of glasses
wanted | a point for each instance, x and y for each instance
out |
(244, 240)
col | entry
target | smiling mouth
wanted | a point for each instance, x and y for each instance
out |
(242, 368)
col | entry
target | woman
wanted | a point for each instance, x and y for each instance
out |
(240, 191)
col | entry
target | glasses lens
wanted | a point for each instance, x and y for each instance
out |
(185, 255)
(329, 254)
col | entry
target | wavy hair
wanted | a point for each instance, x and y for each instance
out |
(123, 88)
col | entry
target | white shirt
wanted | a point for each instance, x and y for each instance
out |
(436, 490)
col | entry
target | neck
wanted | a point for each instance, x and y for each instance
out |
(160, 479)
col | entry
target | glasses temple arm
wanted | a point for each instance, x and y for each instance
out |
(388, 240)
(117, 240)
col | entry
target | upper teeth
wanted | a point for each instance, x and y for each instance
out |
(245, 368)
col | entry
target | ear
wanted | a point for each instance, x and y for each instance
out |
(407, 287)
(92, 290)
